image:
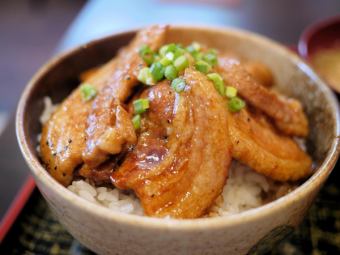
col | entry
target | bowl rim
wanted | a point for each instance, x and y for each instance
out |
(307, 187)
(311, 31)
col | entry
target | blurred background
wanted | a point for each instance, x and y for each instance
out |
(31, 31)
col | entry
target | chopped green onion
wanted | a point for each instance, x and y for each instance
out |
(210, 57)
(218, 82)
(179, 52)
(145, 76)
(170, 56)
(163, 50)
(178, 85)
(88, 92)
(167, 48)
(194, 47)
(143, 49)
(157, 71)
(140, 105)
(194, 50)
(157, 58)
(148, 59)
(167, 59)
(136, 121)
(170, 72)
(235, 104)
(181, 63)
(197, 56)
(146, 54)
(230, 92)
(202, 66)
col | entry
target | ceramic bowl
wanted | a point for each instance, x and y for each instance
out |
(108, 232)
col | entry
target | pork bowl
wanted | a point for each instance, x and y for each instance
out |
(178, 140)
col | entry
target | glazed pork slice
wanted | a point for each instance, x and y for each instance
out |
(63, 138)
(258, 144)
(105, 132)
(159, 120)
(180, 163)
(260, 72)
(287, 113)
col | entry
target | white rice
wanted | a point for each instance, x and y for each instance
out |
(49, 108)
(111, 198)
(245, 189)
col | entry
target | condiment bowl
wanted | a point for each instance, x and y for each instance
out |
(318, 37)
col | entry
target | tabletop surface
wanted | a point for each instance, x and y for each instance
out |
(282, 20)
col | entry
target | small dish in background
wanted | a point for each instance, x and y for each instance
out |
(320, 45)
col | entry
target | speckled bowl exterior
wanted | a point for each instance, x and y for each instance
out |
(108, 232)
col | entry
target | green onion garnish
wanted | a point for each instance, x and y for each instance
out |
(167, 48)
(178, 85)
(156, 58)
(230, 92)
(145, 76)
(163, 50)
(170, 56)
(235, 104)
(157, 71)
(140, 105)
(87, 91)
(210, 57)
(179, 52)
(194, 47)
(170, 72)
(195, 50)
(197, 56)
(202, 66)
(143, 49)
(181, 63)
(136, 121)
(167, 59)
(148, 59)
(218, 82)
(146, 54)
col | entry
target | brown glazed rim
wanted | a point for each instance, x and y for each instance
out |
(173, 224)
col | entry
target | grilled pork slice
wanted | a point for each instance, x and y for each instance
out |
(259, 145)
(104, 128)
(158, 123)
(179, 168)
(64, 136)
(287, 113)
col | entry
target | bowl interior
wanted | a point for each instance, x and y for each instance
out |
(57, 78)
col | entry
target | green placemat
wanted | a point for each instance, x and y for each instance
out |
(36, 231)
